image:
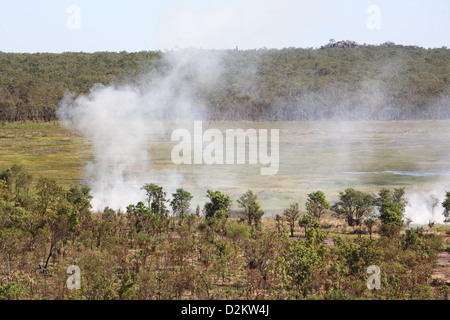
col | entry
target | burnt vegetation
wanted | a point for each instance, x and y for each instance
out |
(160, 249)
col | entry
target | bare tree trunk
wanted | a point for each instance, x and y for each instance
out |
(49, 256)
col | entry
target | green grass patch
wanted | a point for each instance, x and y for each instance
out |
(316, 155)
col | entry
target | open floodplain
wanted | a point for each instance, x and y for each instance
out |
(313, 155)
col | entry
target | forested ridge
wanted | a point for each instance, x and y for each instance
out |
(357, 82)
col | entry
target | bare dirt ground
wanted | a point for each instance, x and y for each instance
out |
(328, 242)
(442, 272)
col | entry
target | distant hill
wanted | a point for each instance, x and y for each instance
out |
(340, 80)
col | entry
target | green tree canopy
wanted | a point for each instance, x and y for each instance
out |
(248, 202)
(181, 201)
(354, 206)
(396, 196)
(446, 205)
(339, 80)
(317, 204)
(291, 214)
(218, 202)
(156, 198)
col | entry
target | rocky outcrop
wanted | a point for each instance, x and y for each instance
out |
(353, 44)
(342, 44)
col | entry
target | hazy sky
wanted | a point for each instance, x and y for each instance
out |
(135, 25)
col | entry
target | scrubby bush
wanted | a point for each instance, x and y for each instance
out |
(136, 255)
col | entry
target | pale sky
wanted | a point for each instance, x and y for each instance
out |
(136, 25)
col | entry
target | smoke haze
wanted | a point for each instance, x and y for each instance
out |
(121, 120)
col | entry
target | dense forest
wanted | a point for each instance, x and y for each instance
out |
(162, 249)
(336, 81)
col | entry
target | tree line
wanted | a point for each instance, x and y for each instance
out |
(384, 82)
(148, 253)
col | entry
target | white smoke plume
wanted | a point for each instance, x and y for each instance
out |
(425, 206)
(120, 121)
(425, 203)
